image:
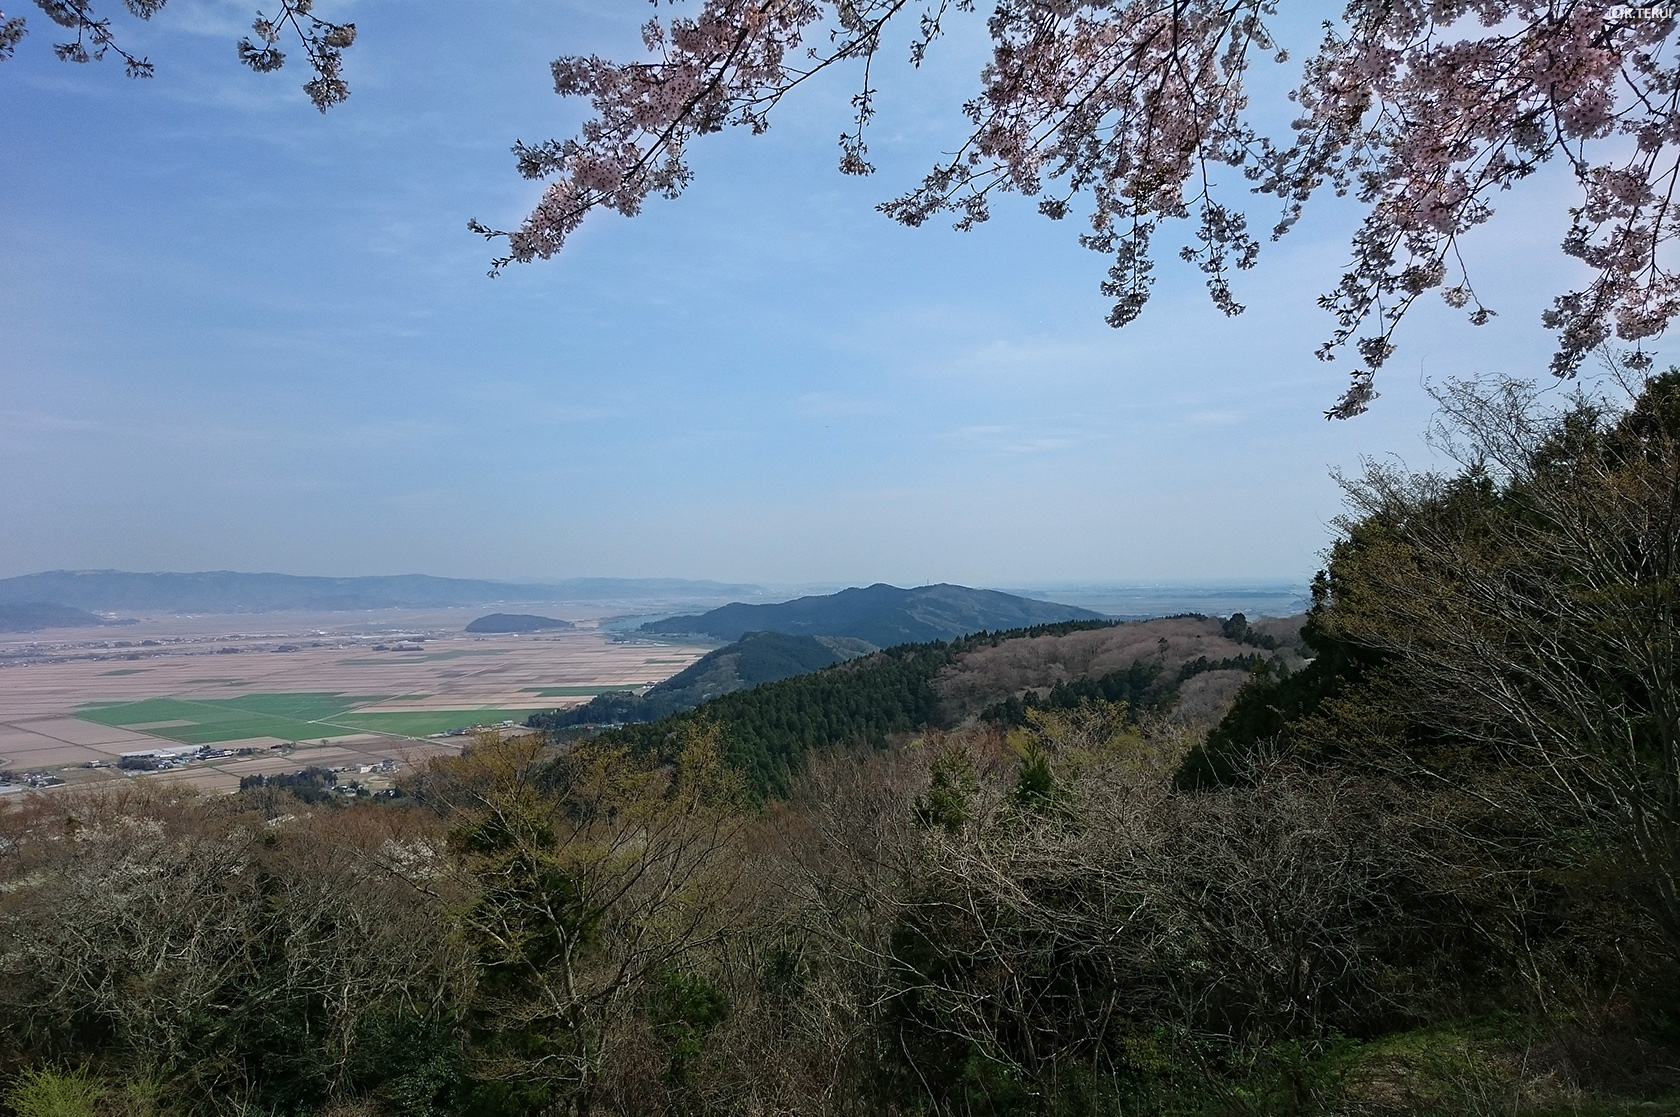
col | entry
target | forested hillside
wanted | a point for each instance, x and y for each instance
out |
(757, 657)
(1431, 871)
(1146, 665)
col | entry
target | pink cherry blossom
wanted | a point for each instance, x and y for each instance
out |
(1424, 110)
(323, 42)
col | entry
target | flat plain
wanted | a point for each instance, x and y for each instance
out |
(290, 690)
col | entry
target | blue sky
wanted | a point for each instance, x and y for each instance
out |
(238, 334)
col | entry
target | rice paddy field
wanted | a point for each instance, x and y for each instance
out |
(292, 690)
(287, 717)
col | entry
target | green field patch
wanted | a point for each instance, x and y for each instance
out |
(572, 691)
(291, 717)
(310, 716)
(664, 661)
(430, 657)
(124, 671)
(302, 707)
(423, 723)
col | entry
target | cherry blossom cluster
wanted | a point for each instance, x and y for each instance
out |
(1425, 123)
(93, 33)
(728, 65)
(1136, 111)
(12, 29)
(323, 42)
(1131, 104)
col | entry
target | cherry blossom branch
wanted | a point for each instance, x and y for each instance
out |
(93, 33)
(12, 31)
(1455, 121)
(1419, 113)
(726, 67)
(323, 42)
(1422, 112)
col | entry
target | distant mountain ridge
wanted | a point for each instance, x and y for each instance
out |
(880, 614)
(227, 591)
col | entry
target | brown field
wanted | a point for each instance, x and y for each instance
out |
(46, 676)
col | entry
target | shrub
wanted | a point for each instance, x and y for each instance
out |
(53, 1093)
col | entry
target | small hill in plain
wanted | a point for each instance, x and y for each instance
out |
(517, 622)
(882, 615)
(754, 659)
(32, 616)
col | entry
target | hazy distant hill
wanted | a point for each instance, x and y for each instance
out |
(881, 614)
(35, 615)
(226, 591)
(756, 658)
(516, 622)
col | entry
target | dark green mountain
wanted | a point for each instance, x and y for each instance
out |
(882, 615)
(227, 591)
(516, 622)
(35, 615)
(768, 730)
(756, 658)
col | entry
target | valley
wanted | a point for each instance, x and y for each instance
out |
(276, 692)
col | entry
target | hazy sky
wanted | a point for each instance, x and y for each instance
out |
(237, 334)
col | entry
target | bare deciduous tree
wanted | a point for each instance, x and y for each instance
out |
(167, 930)
(1530, 607)
(591, 877)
